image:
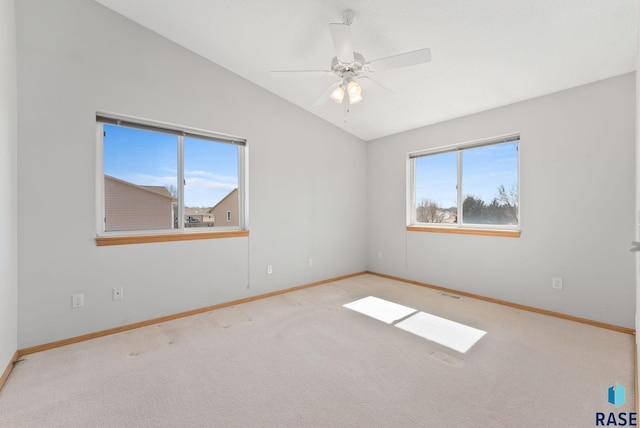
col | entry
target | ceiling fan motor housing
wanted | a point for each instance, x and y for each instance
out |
(355, 67)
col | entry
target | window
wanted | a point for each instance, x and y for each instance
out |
(164, 179)
(470, 186)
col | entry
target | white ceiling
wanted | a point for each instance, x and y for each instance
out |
(485, 53)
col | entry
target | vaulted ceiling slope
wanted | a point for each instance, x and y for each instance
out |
(485, 54)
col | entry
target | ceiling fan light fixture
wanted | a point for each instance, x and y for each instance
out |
(338, 94)
(353, 99)
(355, 92)
(353, 87)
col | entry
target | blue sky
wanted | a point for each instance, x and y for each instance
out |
(484, 169)
(151, 159)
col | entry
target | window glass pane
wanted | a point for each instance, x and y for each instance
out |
(211, 184)
(436, 179)
(490, 184)
(140, 179)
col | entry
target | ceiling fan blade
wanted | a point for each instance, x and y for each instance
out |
(300, 73)
(420, 56)
(377, 83)
(342, 42)
(325, 95)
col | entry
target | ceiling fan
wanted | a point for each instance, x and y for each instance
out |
(350, 67)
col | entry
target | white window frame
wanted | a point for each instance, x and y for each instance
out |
(411, 206)
(181, 132)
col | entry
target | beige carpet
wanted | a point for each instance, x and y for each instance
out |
(304, 360)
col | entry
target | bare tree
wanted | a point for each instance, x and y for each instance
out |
(172, 189)
(429, 211)
(509, 199)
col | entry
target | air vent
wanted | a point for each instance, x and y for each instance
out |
(453, 296)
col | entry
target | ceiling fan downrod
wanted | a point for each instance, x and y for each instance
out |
(347, 16)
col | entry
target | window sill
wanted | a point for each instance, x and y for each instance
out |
(465, 231)
(167, 237)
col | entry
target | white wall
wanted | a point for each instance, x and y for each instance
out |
(577, 206)
(307, 181)
(8, 186)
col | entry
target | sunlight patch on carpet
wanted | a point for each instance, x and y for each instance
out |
(380, 309)
(451, 334)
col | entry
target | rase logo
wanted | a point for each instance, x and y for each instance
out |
(615, 396)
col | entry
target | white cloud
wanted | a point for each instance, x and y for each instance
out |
(202, 184)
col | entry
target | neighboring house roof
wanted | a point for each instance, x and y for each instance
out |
(156, 190)
(160, 190)
(229, 195)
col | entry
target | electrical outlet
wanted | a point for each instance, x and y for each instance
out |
(379, 255)
(556, 283)
(77, 301)
(269, 269)
(117, 293)
(310, 262)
